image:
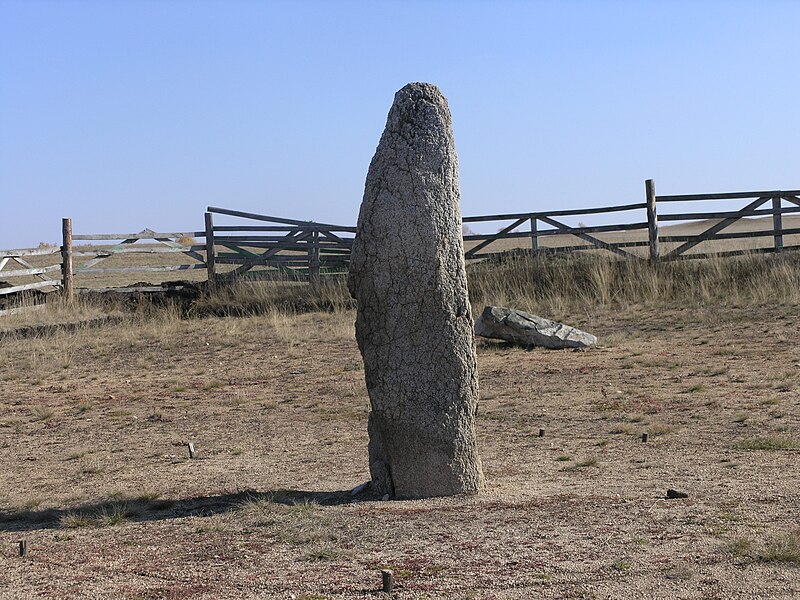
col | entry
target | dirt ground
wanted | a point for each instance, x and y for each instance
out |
(97, 479)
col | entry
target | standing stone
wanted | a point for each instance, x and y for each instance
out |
(414, 327)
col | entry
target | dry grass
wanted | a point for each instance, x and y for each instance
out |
(555, 285)
(274, 401)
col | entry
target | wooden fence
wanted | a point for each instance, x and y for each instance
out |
(41, 273)
(304, 249)
(279, 247)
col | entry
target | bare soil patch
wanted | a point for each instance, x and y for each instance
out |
(94, 427)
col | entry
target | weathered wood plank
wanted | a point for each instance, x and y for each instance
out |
(534, 235)
(708, 233)
(652, 220)
(792, 199)
(726, 196)
(28, 265)
(131, 290)
(149, 235)
(30, 252)
(4, 262)
(67, 272)
(28, 286)
(730, 236)
(733, 253)
(234, 228)
(256, 261)
(777, 223)
(102, 252)
(761, 212)
(290, 239)
(29, 272)
(494, 237)
(142, 269)
(211, 266)
(555, 213)
(190, 253)
(257, 217)
(589, 238)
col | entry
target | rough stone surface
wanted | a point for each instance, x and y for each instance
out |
(414, 326)
(529, 330)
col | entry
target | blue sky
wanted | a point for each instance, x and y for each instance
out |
(132, 114)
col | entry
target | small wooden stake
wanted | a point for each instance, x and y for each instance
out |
(388, 580)
(23, 547)
(541, 433)
(191, 450)
(644, 437)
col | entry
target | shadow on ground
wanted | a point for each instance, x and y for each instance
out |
(133, 509)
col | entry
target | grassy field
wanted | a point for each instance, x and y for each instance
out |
(95, 425)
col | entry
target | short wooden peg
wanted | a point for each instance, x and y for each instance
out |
(388, 580)
(645, 437)
(191, 450)
(23, 547)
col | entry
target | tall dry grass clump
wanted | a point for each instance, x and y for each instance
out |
(555, 284)
(247, 297)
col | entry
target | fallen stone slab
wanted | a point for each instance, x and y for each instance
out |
(529, 330)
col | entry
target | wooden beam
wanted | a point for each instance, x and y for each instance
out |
(586, 237)
(30, 252)
(257, 217)
(30, 267)
(176, 246)
(496, 236)
(727, 196)
(145, 235)
(709, 233)
(761, 212)
(292, 237)
(132, 290)
(210, 258)
(732, 236)
(28, 286)
(777, 223)
(235, 228)
(652, 220)
(556, 213)
(144, 269)
(108, 251)
(30, 272)
(67, 271)
(732, 253)
(791, 198)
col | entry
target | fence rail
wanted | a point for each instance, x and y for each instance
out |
(278, 246)
(16, 258)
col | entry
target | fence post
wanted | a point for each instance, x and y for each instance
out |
(777, 223)
(313, 258)
(534, 237)
(210, 259)
(652, 220)
(67, 282)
